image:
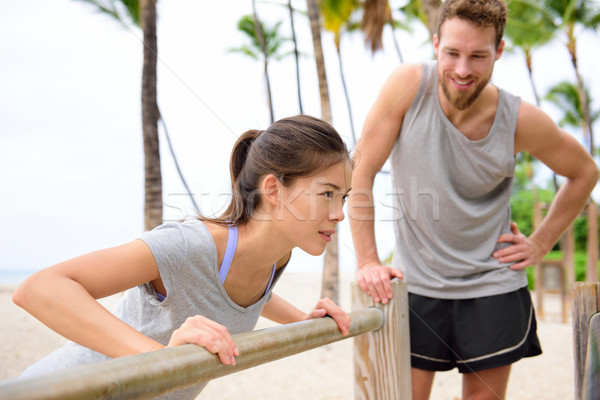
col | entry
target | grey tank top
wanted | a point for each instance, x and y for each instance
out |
(186, 257)
(451, 196)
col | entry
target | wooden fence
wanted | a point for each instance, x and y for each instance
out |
(381, 356)
(586, 339)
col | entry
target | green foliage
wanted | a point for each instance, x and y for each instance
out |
(565, 95)
(580, 266)
(336, 13)
(272, 39)
(583, 12)
(125, 11)
(529, 24)
(521, 202)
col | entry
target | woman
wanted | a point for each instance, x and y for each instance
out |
(201, 280)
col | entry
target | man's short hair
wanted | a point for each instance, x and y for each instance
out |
(487, 13)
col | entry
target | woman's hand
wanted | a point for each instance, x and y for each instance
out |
(209, 334)
(327, 307)
(375, 280)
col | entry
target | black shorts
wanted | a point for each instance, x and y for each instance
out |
(472, 334)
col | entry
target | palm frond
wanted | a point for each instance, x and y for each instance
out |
(124, 11)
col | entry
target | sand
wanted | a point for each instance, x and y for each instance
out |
(323, 373)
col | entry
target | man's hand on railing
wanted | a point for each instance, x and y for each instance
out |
(328, 307)
(209, 334)
(375, 280)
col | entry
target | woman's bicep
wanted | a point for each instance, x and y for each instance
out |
(113, 270)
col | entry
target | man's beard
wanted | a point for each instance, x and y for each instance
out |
(462, 99)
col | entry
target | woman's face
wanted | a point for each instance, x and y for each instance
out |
(311, 207)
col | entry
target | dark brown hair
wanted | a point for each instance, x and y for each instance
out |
(487, 13)
(290, 148)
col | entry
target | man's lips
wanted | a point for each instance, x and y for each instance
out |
(462, 83)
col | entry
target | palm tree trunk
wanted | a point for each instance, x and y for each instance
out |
(177, 167)
(269, 98)
(530, 72)
(346, 95)
(329, 286)
(150, 115)
(592, 216)
(572, 47)
(432, 9)
(528, 61)
(396, 45)
(296, 55)
(261, 39)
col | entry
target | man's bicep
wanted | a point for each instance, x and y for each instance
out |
(543, 139)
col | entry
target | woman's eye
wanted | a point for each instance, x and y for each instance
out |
(329, 194)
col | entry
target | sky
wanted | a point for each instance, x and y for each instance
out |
(71, 151)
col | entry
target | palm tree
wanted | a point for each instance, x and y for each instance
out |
(573, 15)
(336, 15)
(296, 55)
(150, 117)
(265, 43)
(565, 95)
(143, 15)
(376, 14)
(529, 26)
(330, 281)
(425, 11)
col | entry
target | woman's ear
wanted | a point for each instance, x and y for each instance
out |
(271, 189)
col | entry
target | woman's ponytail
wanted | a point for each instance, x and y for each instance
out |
(240, 151)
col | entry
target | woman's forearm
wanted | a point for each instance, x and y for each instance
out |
(280, 311)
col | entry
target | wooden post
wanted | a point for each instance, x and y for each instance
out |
(591, 379)
(586, 302)
(569, 255)
(592, 242)
(539, 274)
(382, 358)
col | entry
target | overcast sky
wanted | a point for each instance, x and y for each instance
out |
(71, 154)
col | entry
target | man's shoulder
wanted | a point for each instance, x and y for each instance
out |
(405, 79)
(407, 70)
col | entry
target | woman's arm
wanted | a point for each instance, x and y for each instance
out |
(280, 311)
(63, 297)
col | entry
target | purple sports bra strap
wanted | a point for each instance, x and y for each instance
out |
(229, 252)
(271, 280)
(232, 239)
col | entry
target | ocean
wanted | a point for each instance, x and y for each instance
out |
(13, 276)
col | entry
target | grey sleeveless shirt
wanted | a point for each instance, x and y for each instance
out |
(451, 196)
(186, 257)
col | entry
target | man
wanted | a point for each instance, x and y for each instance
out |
(452, 138)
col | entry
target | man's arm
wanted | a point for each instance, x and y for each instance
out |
(380, 131)
(538, 134)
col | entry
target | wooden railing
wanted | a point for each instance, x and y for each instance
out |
(382, 359)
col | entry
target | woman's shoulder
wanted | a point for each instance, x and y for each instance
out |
(188, 233)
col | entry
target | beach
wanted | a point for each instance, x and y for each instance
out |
(324, 373)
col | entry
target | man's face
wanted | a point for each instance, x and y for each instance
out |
(466, 54)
